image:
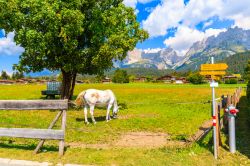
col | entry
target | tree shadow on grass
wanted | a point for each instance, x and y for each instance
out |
(48, 148)
(243, 127)
(207, 142)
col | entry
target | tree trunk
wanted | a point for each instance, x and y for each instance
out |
(68, 84)
(72, 86)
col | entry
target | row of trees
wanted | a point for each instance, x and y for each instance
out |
(121, 76)
(16, 75)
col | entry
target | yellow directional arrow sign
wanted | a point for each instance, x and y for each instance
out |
(214, 67)
(215, 73)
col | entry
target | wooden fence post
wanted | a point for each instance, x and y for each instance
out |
(50, 127)
(61, 143)
(228, 100)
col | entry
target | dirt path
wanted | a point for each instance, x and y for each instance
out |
(135, 140)
(147, 140)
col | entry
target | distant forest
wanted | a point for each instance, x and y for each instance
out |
(237, 63)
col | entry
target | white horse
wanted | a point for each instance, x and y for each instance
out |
(92, 97)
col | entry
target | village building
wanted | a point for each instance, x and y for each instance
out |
(106, 80)
(181, 80)
(234, 76)
(167, 79)
(79, 81)
(140, 79)
(7, 82)
(21, 81)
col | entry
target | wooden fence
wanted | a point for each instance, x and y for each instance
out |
(221, 120)
(224, 103)
(42, 134)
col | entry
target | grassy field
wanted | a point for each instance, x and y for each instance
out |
(177, 110)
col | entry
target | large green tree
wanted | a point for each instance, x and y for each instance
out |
(73, 36)
(120, 76)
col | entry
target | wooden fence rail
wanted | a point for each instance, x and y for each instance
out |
(42, 134)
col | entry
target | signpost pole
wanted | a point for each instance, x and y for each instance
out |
(214, 70)
(214, 115)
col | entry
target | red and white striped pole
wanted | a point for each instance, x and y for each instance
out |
(214, 120)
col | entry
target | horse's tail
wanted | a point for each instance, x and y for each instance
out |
(79, 100)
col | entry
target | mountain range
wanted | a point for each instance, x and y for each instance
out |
(225, 44)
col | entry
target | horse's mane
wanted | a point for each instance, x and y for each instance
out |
(79, 100)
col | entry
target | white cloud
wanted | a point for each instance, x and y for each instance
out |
(163, 17)
(208, 23)
(153, 50)
(170, 13)
(149, 9)
(213, 32)
(185, 37)
(200, 10)
(132, 3)
(9, 47)
(145, 1)
(243, 22)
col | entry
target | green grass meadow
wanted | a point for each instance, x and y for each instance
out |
(178, 110)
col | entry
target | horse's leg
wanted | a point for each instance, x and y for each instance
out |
(107, 115)
(85, 113)
(92, 107)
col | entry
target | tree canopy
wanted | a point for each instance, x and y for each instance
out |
(73, 36)
(4, 75)
(17, 75)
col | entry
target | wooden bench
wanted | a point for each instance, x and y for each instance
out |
(42, 134)
(53, 89)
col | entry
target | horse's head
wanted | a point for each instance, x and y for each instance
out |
(115, 111)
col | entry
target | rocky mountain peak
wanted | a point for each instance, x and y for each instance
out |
(225, 44)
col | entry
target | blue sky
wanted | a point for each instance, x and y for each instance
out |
(170, 23)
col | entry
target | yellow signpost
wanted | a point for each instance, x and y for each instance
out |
(213, 69)
(214, 73)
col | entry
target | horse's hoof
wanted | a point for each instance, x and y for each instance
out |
(94, 123)
(86, 123)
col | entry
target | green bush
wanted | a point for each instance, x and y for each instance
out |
(195, 78)
(120, 76)
(231, 81)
